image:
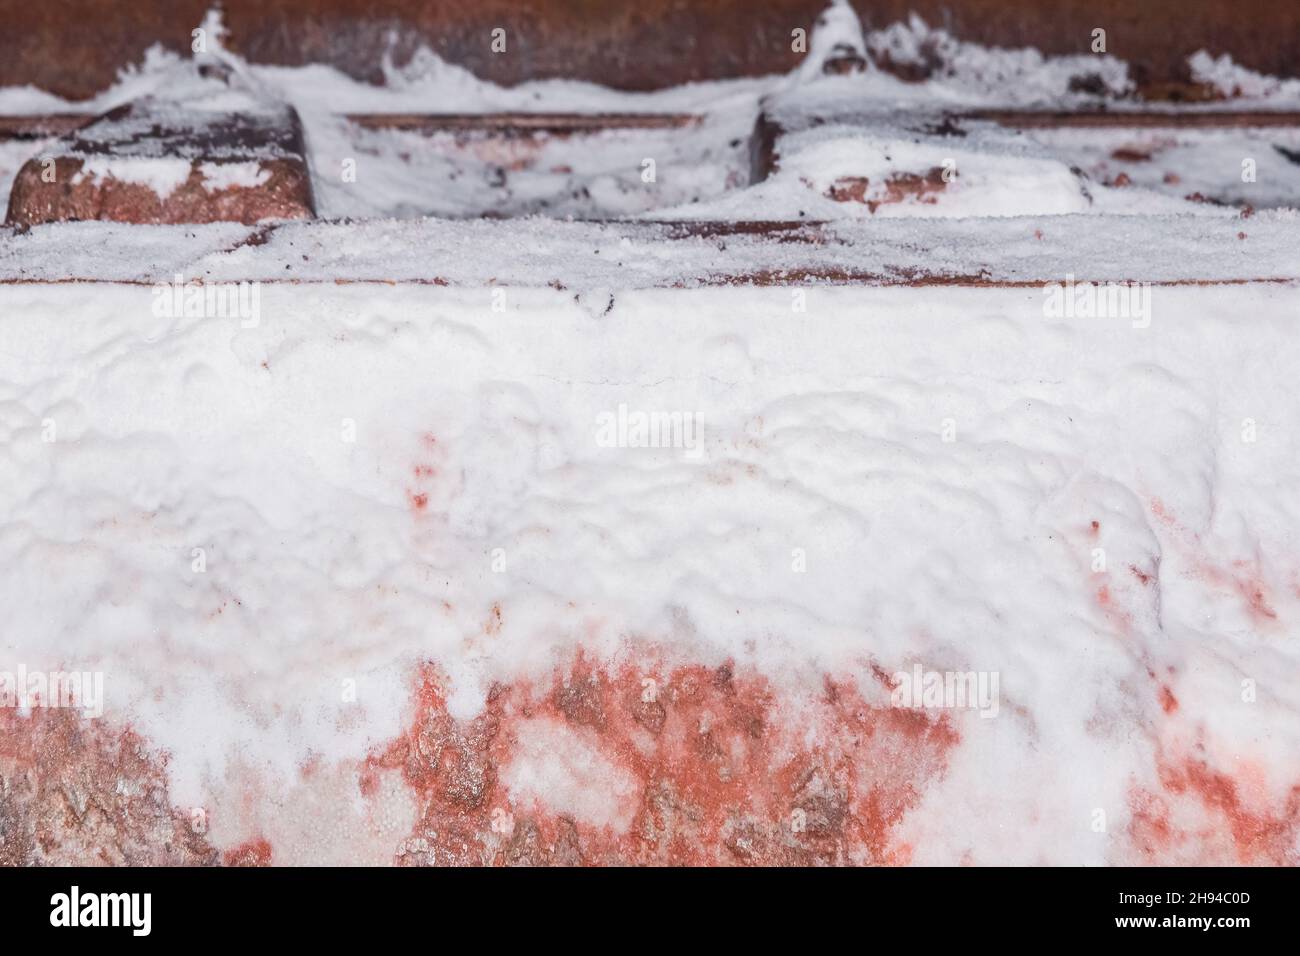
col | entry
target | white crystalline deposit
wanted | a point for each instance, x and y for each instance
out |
(257, 521)
(589, 257)
(554, 768)
(232, 522)
(1232, 79)
(990, 174)
(219, 176)
(958, 71)
(163, 176)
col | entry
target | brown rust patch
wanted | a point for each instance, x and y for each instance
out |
(61, 185)
(897, 188)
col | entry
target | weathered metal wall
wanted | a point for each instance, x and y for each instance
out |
(75, 47)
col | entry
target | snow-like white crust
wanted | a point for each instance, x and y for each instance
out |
(399, 442)
(329, 559)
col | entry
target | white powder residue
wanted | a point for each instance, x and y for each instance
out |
(219, 176)
(968, 72)
(1217, 245)
(949, 182)
(822, 431)
(163, 175)
(1233, 80)
(260, 527)
(553, 766)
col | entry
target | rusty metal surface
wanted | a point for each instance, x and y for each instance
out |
(1131, 119)
(70, 196)
(75, 47)
(42, 125)
(54, 187)
(523, 124)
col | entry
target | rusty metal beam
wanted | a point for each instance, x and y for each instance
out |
(76, 47)
(39, 126)
(507, 124)
(42, 125)
(1124, 119)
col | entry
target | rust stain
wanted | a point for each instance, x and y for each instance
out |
(724, 772)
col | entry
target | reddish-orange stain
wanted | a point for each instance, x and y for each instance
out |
(425, 469)
(1257, 835)
(1252, 591)
(1160, 511)
(1140, 574)
(1119, 616)
(255, 852)
(1149, 827)
(1168, 702)
(82, 792)
(726, 770)
(1245, 578)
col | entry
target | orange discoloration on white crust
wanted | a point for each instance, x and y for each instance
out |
(1205, 816)
(699, 766)
(1243, 577)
